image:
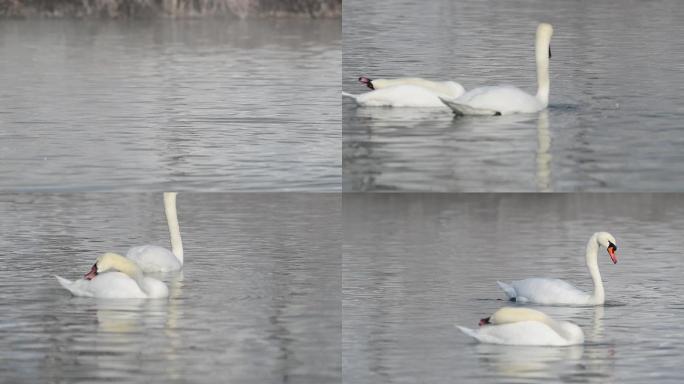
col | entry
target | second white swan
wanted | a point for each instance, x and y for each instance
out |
(503, 100)
(153, 258)
(555, 291)
(524, 326)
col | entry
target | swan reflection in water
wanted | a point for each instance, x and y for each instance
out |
(543, 153)
(128, 323)
(424, 148)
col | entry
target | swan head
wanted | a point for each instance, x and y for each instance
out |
(367, 82)
(110, 261)
(543, 44)
(544, 34)
(382, 83)
(607, 241)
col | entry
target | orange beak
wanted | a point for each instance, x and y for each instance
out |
(611, 252)
(93, 272)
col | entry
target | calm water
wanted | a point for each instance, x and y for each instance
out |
(258, 300)
(616, 106)
(415, 265)
(149, 105)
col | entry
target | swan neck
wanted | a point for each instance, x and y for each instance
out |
(174, 228)
(131, 269)
(592, 265)
(542, 56)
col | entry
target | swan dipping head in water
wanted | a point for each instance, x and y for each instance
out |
(113, 261)
(524, 326)
(115, 277)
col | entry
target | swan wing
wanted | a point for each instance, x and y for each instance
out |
(549, 291)
(502, 99)
(110, 285)
(153, 258)
(400, 96)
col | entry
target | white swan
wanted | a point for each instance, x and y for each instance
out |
(503, 100)
(555, 291)
(153, 258)
(125, 281)
(406, 92)
(524, 326)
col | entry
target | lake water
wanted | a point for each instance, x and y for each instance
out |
(201, 105)
(415, 265)
(258, 300)
(616, 104)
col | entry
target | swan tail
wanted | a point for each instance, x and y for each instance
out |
(470, 332)
(462, 109)
(66, 284)
(510, 291)
(349, 95)
(72, 287)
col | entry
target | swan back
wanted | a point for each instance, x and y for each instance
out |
(514, 314)
(503, 99)
(153, 258)
(446, 89)
(405, 95)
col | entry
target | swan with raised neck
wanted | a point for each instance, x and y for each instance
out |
(505, 99)
(555, 291)
(153, 258)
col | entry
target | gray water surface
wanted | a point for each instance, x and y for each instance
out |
(258, 300)
(201, 105)
(614, 122)
(416, 265)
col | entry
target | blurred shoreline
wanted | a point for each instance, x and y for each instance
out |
(141, 9)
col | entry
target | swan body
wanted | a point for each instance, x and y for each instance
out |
(504, 100)
(524, 326)
(124, 281)
(398, 96)
(558, 292)
(153, 258)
